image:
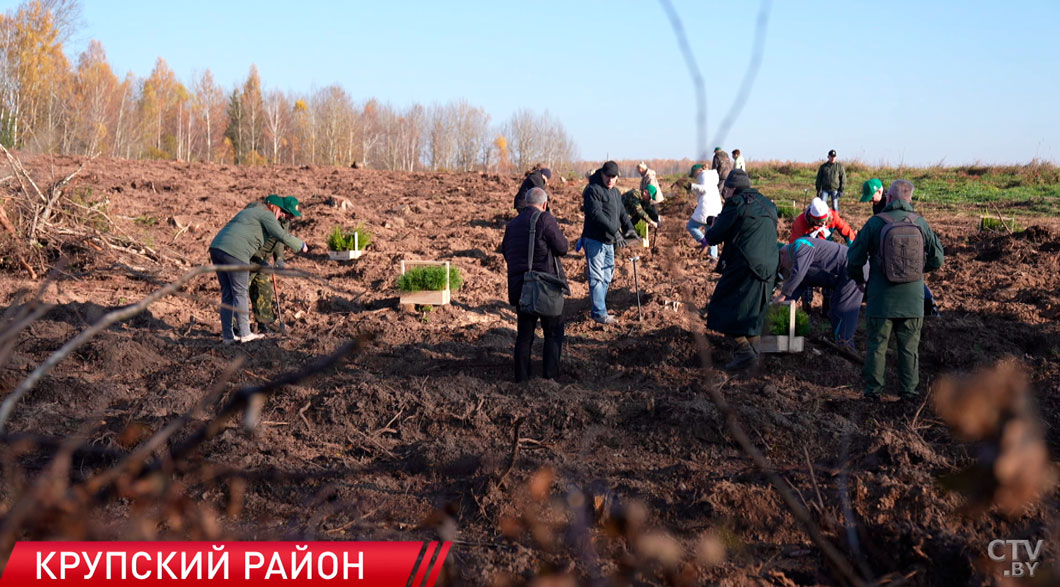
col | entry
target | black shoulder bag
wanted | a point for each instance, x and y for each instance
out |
(542, 293)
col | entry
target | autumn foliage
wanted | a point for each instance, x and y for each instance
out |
(50, 105)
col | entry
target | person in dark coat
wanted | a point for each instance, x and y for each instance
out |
(897, 307)
(549, 243)
(606, 225)
(535, 178)
(748, 227)
(722, 164)
(814, 262)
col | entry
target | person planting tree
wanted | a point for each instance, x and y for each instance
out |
(813, 262)
(641, 209)
(820, 222)
(538, 177)
(262, 293)
(234, 244)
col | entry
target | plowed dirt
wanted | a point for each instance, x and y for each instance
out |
(410, 439)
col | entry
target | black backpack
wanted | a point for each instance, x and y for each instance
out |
(901, 249)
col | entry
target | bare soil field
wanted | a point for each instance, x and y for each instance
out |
(623, 470)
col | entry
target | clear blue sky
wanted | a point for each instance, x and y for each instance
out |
(896, 81)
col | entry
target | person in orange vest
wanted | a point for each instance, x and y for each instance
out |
(819, 222)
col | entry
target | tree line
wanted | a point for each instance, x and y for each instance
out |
(49, 104)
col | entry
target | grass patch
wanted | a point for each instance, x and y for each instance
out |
(778, 316)
(340, 240)
(429, 278)
(145, 220)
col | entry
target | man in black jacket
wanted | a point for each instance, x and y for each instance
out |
(606, 225)
(549, 243)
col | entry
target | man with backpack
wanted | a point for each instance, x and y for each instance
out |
(900, 247)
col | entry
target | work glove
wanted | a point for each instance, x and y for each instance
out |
(631, 233)
(620, 243)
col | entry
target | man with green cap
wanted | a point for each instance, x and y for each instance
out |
(747, 225)
(235, 244)
(872, 191)
(641, 208)
(899, 247)
(261, 290)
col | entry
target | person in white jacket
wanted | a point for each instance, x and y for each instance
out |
(709, 206)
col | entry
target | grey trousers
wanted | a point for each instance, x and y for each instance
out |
(235, 293)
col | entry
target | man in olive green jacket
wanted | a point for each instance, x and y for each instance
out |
(892, 306)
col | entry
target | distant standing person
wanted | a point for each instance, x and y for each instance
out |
(748, 227)
(647, 177)
(606, 225)
(737, 160)
(899, 247)
(236, 242)
(722, 164)
(708, 205)
(549, 243)
(537, 177)
(830, 180)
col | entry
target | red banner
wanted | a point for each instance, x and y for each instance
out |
(225, 563)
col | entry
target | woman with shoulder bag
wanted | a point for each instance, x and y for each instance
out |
(536, 282)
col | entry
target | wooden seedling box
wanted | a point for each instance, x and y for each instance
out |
(784, 343)
(992, 223)
(348, 255)
(434, 298)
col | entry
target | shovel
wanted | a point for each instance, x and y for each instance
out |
(636, 283)
(279, 311)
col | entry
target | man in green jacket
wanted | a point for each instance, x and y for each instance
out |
(261, 291)
(748, 227)
(897, 306)
(831, 178)
(235, 244)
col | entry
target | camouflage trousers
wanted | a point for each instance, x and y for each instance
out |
(262, 298)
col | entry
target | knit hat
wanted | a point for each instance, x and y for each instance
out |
(817, 212)
(610, 168)
(869, 187)
(651, 190)
(290, 205)
(738, 179)
(545, 171)
(695, 170)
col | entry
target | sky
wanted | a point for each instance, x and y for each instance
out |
(898, 82)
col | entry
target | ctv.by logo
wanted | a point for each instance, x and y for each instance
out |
(1023, 558)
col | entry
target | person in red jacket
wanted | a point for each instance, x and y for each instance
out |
(819, 222)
